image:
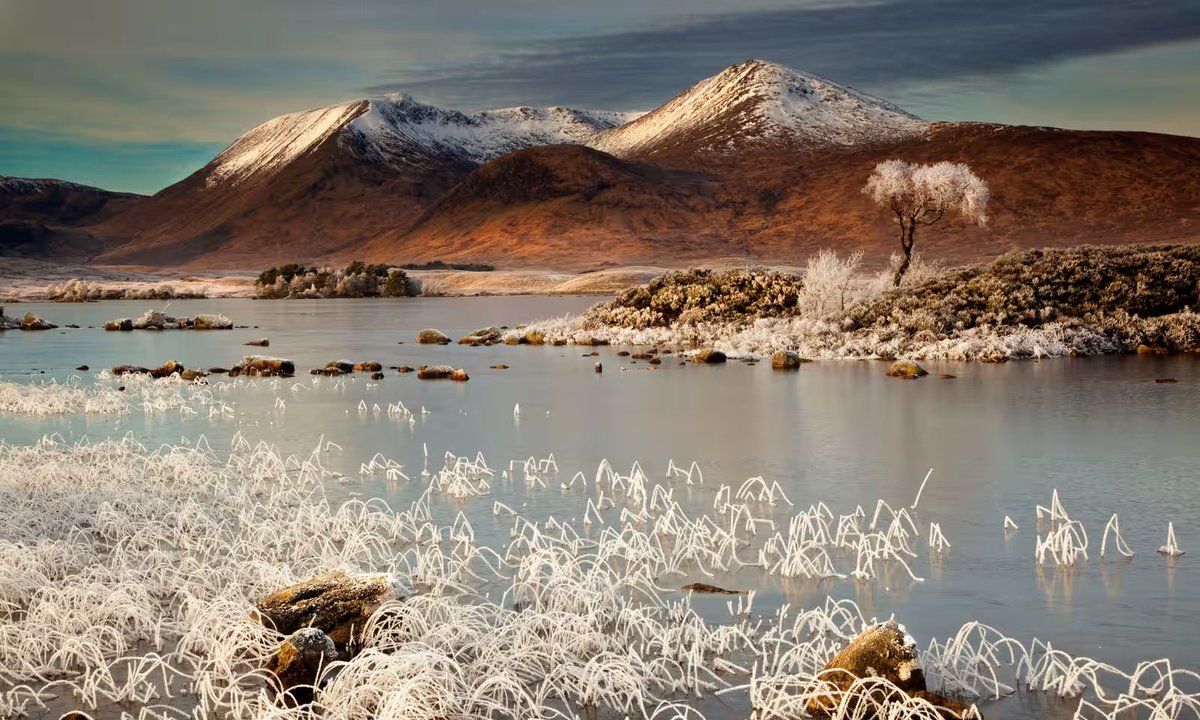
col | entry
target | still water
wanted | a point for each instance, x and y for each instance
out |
(999, 439)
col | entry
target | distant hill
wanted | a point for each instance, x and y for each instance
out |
(47, 218)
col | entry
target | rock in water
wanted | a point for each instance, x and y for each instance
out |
(261, 342)
(121, 324)
(337, 604)
(261, 366)
(482, 335)
(167, 369)
(709, 356)
(211, 322)
(713, 589)
(906, 370)
(598, 367)
(298, 663)
(786, 360)
(367, 366)
(460, 375)
(33, 322)
(430, 336)
(883, 651)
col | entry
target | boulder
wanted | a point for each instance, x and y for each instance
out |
(342, 366)
(514, 338)
(190, 375)
(155, 320)
(337, 604)
(33, 322)
(298, 664)
(261, 342)
(709, 356)
(906, 370)
(482, 335)
(655, 361)
(430, 336)
(1141, 349)
(434, 372)
(211, 322)
(460, 375)
(121, 324)
(129, 370)
(261, 366)
(882, 651)
(367, 366)
(534, 337)
(622, 353)
(167, 369)
(376, 376)
(786, 360)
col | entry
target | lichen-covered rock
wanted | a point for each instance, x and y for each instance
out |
(906, 370)
(298, 664)
(367, 366)
(534, 337)
(120, 324)
(211, 322)
(786, 360)
(429, 336)
(434, 372)
(262, 366)
(709, 356)
(337, 604)
(33, 322)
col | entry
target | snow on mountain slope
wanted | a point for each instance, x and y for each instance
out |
(397, 130)
(756, 101)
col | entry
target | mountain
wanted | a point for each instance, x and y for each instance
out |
(759, 162)
(757, 104)
(318, 182)
(46, 218)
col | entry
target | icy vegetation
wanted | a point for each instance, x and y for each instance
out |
(111, 395)
(80, 290)
(128, 576)
(1039, 303)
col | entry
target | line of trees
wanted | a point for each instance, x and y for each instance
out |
(356, 280)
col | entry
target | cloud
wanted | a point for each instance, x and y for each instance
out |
(872, 45)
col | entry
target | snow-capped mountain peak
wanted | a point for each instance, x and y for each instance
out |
(758, 100)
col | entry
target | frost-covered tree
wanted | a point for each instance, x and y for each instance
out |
(922, 195)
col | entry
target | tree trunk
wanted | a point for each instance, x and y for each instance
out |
(907, 232)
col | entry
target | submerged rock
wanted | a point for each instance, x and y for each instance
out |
(906, 370)
(429, 336)
(709, 356)
(262, 366)
(713, 589)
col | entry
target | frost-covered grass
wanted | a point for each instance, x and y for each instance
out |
(110, 395)
(128, 575)
(1082, 301)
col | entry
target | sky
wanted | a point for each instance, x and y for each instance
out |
(136, 94)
